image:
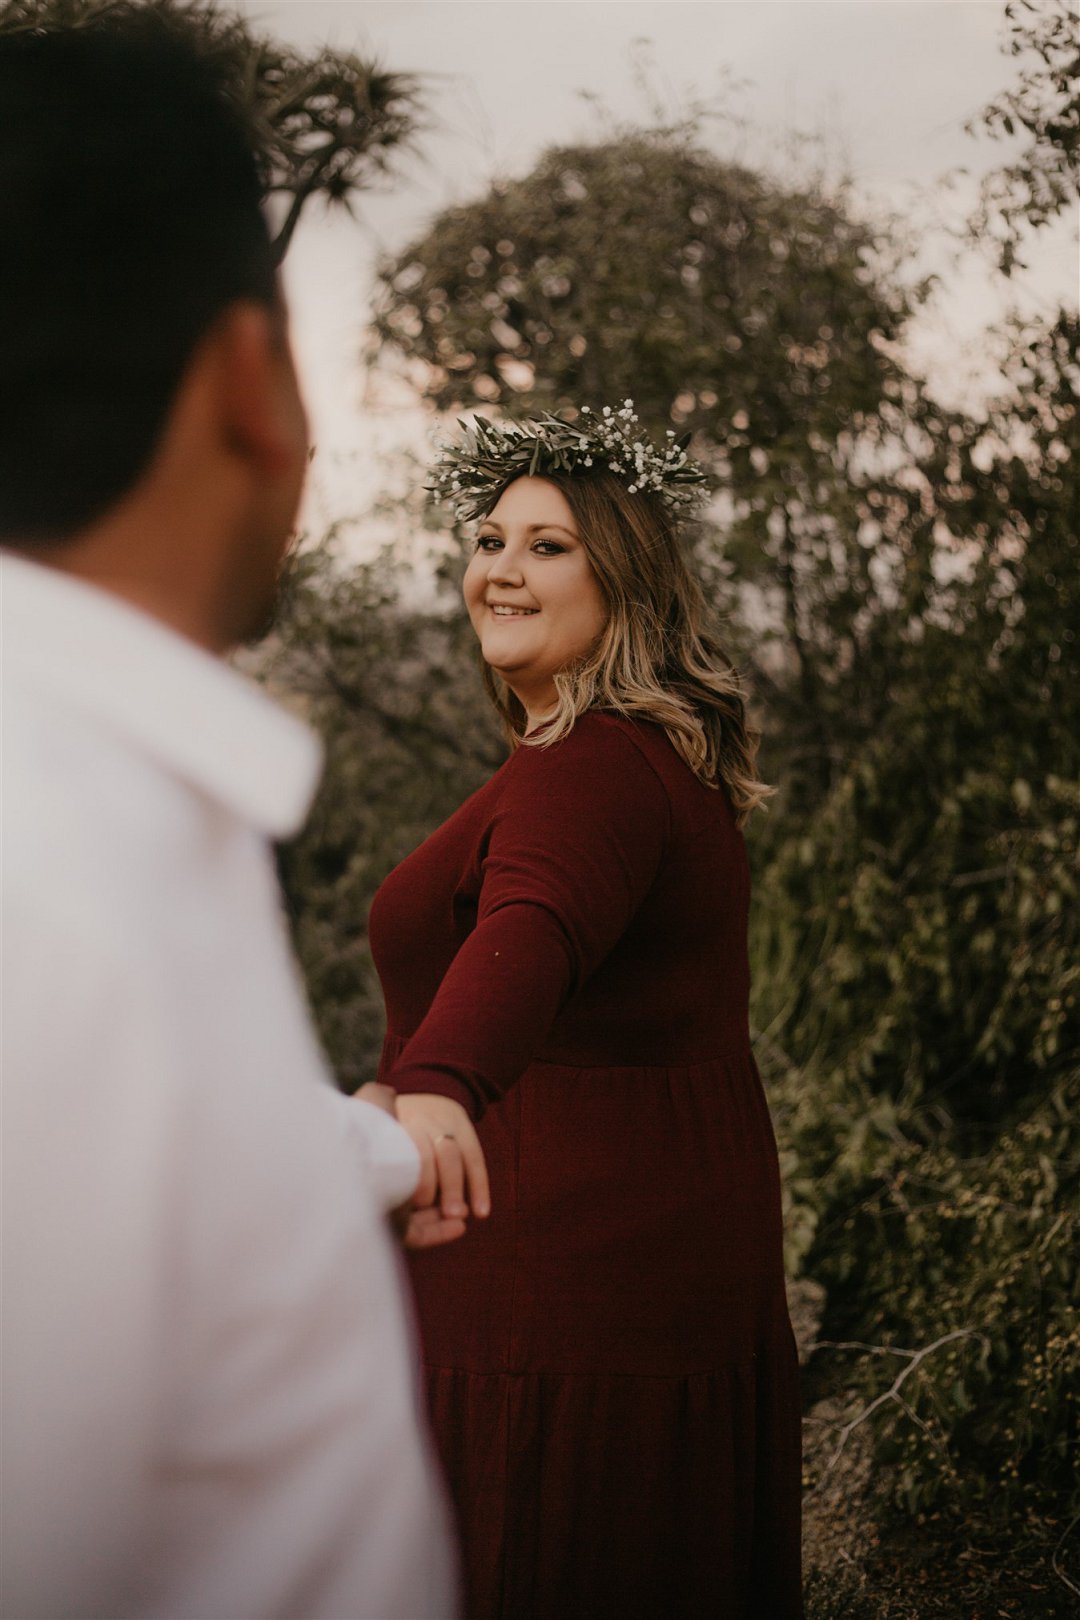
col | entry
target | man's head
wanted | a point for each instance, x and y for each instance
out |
(145, 373)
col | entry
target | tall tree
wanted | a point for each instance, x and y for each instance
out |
(763, 316)
(1041, 109)
(327, 124)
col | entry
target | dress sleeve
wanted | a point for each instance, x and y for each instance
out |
(575, 844)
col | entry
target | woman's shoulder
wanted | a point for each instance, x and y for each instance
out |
(620, 750)
(601, 754)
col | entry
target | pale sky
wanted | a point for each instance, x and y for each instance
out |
(885, 86)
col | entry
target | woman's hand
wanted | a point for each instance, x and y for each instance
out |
(453, 1175)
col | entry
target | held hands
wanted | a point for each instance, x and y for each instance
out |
(451, 1166)
(453, 1174)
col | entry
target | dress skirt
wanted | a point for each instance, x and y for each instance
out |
(612, 1376)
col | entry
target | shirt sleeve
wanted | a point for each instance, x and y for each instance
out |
(198, 1290)
(389, 1153)
(575, 845)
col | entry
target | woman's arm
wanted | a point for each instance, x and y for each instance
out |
(576, 842)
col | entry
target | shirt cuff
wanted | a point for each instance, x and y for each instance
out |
(390, 1153)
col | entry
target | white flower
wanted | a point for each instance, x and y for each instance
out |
(588, 461)
(607, 410)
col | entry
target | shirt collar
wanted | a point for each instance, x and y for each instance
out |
(199, 718)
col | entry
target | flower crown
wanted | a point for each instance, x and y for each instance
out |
(468, 474)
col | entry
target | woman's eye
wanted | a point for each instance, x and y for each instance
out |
(544, 548)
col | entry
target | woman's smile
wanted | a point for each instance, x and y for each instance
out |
(530, 564)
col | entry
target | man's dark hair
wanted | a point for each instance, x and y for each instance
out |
(129, 220)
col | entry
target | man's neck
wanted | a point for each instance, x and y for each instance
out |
(159, 586)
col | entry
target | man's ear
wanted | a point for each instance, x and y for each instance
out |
(258, 396)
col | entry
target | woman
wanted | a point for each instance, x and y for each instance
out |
(612, 1374)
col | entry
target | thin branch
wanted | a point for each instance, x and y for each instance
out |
(300, 196)
(914, 1359)
(1056, 1567)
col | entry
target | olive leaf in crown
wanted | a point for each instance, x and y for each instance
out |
(468, 474)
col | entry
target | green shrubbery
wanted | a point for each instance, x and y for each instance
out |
(917, 995)
(932, 1136)
(914, 937)
(903, 583)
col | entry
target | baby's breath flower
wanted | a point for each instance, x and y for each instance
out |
(470, 474)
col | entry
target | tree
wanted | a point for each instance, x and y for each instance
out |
(1043, 109)
(917, 1001)
(916, 952)
(932, 898)
(644, 266)
(762, 316)
(906, 578)
(325, 125)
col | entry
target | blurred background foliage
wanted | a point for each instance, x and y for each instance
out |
(901, 582)
(326, 125)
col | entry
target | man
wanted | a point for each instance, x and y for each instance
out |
(208, 1391)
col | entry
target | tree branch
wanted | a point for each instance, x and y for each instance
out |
(915, 1358)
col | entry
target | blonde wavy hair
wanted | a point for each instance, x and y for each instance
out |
(657, 657)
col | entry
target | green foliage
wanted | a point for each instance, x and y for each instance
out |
(471, 469)
(904, 582)
(644, 266)
(326, 124)
(974, 1266)
(917, 967)
(920, 1013)
(1041, 108)
(763, 317)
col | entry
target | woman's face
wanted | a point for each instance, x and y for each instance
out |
(532, 596)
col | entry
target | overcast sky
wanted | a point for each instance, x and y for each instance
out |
(885, 87)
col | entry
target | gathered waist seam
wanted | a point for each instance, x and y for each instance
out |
(723, 1055)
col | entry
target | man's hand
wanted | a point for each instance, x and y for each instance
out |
(379, 1096)
(426, 1228)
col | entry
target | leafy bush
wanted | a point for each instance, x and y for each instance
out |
(958, 1276)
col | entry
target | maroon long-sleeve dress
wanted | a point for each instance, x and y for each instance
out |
(612, 1374)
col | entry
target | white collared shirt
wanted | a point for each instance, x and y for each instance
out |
(209, 1404)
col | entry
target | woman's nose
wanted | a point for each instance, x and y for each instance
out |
(505, 569)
